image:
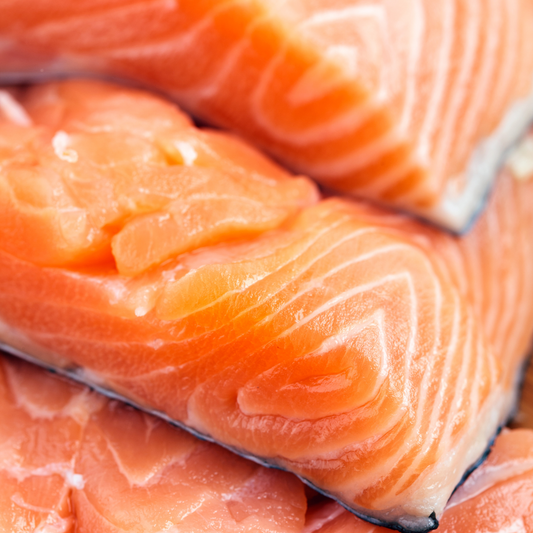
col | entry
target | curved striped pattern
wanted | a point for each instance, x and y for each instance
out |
(405, 102)
(74, 462)
(373, 356)
(497, 497)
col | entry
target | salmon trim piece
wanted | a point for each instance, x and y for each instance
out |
(371, 355)
(412, 103)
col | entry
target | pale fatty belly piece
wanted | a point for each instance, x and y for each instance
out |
(178, 269)
(413, 103)
(497, 497)
(72, 461)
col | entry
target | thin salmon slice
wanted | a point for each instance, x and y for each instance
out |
(412, 103)
(373, 356)
(498, 497)
(72, 461)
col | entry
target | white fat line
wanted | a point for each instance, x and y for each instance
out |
(306, 248)
(480, 85)
(507, 337)
(310, 244)
(344, 296)
(494, 294)
(525, 248)
(336, 15)
(358, 159)
(183, 41)
(427, 374)
(291, 300)
(443, 65)
(459, 205)
(462, 88)
(65, 470)
(434, 409)
(381, 183)
(226, 65)
(414, 61)
(509, 13)
(472, 252)
(152, 474)
(490, 475)
(13, 111)
(317, 281)
(336, 127)
(374, 12)
(463, 391)
(377, 318)
(18, 500)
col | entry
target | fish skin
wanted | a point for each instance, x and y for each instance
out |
(242, 341)
(73, 461)
(496, 498)
(379, 99)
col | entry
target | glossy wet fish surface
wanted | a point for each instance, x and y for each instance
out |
(72, 461)
(409, 102)
(179, 269)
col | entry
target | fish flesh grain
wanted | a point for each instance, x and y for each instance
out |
(72, 461)
(412, 103)
(496, 498)
(373, 356)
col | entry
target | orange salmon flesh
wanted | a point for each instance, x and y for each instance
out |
(179, 269)
(75, 462)
(412, 103)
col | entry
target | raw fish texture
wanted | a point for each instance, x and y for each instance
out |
(371, 355)
(497, 498)
(73, 462)
(413, 103)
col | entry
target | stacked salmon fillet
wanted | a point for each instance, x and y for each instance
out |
(176, 268)
(73, 461)
(412, 103)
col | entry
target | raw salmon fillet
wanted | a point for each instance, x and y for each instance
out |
(496, 498)
(72, 461)
(371, 355)
(409, 102)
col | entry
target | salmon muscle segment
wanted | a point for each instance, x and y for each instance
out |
(498, 497)
(92, 174)
(73, 461)
(412, 103)
(370, 354)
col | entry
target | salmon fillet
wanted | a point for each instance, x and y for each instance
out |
(73, 461)
(412, 103)
(373, 356)
(498, 497)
